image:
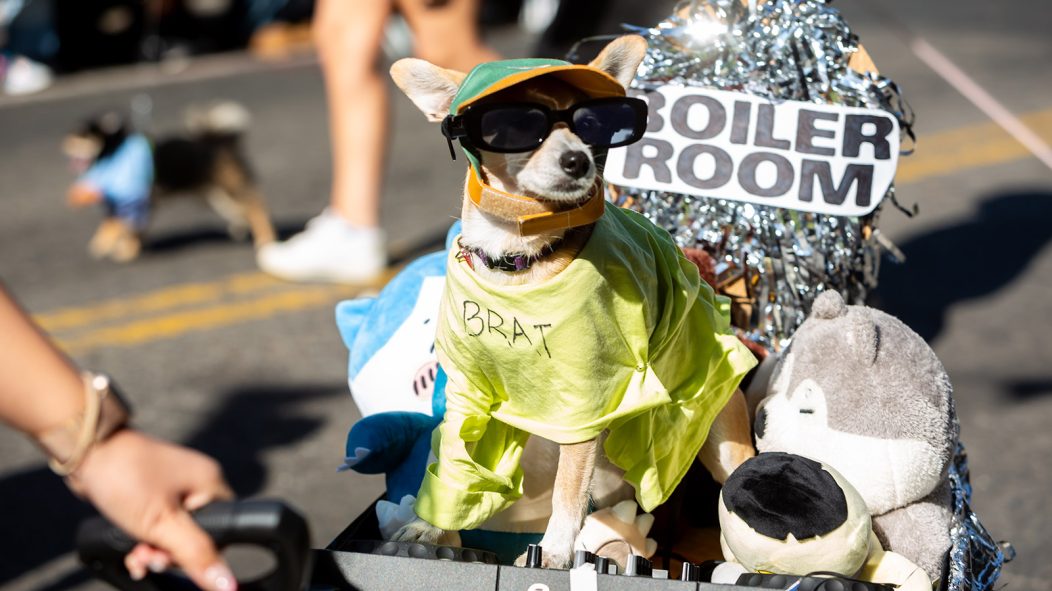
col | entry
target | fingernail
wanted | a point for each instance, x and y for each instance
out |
(220, 578)
(136, 570)
(157, 565)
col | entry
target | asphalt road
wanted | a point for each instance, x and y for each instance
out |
(252, 371)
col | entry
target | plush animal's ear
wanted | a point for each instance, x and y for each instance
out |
(828, 305)
(866, 336)
(430, 87)
(621, 58)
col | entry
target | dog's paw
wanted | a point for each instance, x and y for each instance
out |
(423, 532)
(558, 558)
(125, 251)
(101, 245)
(418, 530)
(98, 251)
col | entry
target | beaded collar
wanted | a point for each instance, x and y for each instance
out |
(509, 263)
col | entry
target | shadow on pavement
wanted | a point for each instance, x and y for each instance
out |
(172, 241)
(40, 515)
(1023, 390)
(254, 419)
(176, 240)
(967, 260)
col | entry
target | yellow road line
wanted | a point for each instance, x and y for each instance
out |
(178, 323)
(968, 147)
(223, 313)
(938, 154)
(182, 295)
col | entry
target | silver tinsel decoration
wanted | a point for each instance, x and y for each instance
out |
(975, 558)
(772, 262)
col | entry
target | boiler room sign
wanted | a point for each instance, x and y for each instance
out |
(811, 157)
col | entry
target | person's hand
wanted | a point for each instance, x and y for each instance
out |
(147, 488)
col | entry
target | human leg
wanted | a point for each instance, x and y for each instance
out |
(432, 22)
(345, 243)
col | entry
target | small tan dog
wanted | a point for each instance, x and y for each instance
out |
(533, 207)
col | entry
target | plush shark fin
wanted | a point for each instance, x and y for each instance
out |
(350, 314)
(360, 453)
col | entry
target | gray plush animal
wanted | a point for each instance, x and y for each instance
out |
(859, 391)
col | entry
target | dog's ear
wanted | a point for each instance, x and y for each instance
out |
(621, 58)
(430, 87)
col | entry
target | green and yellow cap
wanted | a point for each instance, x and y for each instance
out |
(492, 77)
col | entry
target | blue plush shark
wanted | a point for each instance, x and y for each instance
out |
(399, 388)
(396, 381)
(393, 374)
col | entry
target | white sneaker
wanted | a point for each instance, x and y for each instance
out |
(24, 76)
(329, 250)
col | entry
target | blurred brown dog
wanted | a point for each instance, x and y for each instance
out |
(206, 160)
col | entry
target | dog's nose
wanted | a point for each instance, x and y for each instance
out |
(760, 423)
(575, 163)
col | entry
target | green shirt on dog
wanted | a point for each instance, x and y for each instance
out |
(627, 338)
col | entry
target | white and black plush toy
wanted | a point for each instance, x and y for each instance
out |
(786, 514)
(859, 391)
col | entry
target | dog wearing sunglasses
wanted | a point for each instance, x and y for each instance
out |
(577, 327)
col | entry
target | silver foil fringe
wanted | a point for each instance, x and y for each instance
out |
(975, 558)
(772, 262)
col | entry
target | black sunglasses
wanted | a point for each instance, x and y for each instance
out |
(521, 127)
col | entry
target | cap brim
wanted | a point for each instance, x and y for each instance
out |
(594, 82)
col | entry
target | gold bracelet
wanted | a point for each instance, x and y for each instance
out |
(104, 412)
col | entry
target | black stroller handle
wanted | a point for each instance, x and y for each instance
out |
(268, 524)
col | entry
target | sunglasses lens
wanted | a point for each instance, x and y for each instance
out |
(607, 124)
(513, 128)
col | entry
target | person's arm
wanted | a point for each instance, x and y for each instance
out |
(145, 486)
(39, 389)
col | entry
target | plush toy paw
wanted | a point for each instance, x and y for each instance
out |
(423, 532)
(727, 573)
(616, 532)
(392, 517)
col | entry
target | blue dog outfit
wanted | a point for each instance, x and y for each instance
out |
(124, 178)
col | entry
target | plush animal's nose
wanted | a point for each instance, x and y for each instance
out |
(575, 163)
(760, 423)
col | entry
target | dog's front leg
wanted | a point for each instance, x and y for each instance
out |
(421, 531)
(573, 480)
(730, 439)
(115, 239)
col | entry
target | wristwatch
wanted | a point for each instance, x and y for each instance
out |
(105, 412)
